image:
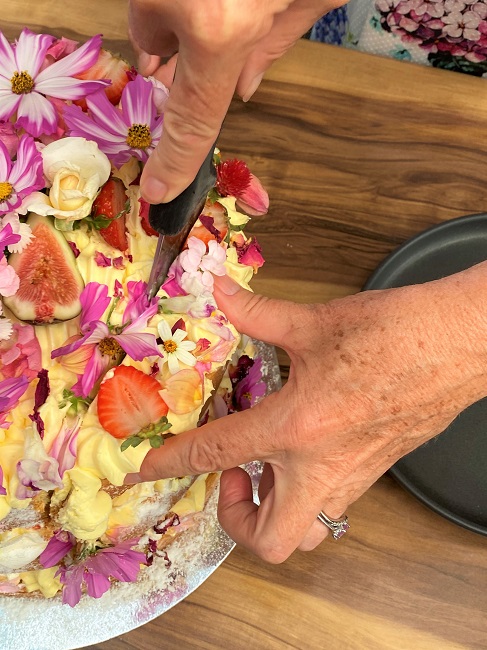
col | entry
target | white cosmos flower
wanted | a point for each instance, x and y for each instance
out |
(175, 348)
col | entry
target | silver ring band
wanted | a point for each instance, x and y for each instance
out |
(338, 527)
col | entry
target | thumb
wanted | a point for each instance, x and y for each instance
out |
(278, 322)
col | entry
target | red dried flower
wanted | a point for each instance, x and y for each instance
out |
(233, 177)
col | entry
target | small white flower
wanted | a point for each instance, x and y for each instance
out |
(175, 348)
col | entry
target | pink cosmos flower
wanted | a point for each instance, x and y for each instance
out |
(119, 562)
(98, 343)
(199, 265)
(11, 390)
(121, 133)
(25, 88)
(19, 179)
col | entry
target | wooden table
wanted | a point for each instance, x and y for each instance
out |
(358, 154)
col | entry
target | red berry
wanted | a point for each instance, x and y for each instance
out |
(129, 401)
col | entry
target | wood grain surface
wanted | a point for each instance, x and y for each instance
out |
(358, 154)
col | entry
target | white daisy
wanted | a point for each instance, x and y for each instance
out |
(175, 348)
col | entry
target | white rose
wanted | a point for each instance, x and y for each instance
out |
(75, 169)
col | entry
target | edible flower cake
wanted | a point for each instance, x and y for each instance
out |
(93, 372)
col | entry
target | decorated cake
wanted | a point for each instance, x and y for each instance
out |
(93, 372)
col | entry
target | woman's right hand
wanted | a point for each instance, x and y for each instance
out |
(223, 46)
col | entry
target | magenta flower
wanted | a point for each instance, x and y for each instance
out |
(119, 562)
(3, 491)
(249, 253)
(19, 179)
(25, 88)
(121, 133)
(57, 548)
(100, 343)
(11, 390)
(246, 378)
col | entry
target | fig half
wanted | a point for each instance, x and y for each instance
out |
(50, 283)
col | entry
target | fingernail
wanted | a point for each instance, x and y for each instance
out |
(154, 190)
(226, 284)
(132, 479)
(252, 87)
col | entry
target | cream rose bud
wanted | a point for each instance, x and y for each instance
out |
(75, 169)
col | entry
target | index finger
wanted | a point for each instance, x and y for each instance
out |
(230, 441)
(198, 102)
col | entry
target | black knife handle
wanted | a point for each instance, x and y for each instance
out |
(172, 217)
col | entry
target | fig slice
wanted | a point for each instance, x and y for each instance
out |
(50, 283)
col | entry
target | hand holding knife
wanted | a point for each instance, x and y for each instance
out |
(174, 220)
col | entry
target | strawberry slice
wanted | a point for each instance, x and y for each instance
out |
(111, 204)
(214, 223)
(129, 404)
(144, 218)
(108, 66)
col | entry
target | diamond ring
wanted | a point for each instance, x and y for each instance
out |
(338, 527)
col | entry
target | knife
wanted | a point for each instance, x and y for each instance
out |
(174, 220)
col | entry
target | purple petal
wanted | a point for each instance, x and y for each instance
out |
(72, 580)
(64, 448)
(36, 115)
(30, 51)
(8, 103)
(107, 116)
(96, 584)
(80, 125)
(94, 301)
(95, 367)
(8, 64)
(138, 345)
(5, 162)
(68, 88)
(137, 102)
(27, 173)
(7, 236)
(78, 61)
(12, 390)
(58, 546)
(102, 260)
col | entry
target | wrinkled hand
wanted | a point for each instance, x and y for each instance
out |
(372, 377)
(222, 47)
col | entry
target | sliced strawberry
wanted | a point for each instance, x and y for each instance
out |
(144, 218)
(111, 204)
(129, 402)
(108, 66)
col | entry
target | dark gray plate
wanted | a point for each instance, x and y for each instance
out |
(448, 473)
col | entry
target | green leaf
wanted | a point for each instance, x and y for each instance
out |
(133, 441)
(156, 442)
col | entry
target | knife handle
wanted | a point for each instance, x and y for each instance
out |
(172, 217)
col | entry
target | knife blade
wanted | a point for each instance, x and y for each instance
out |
(174, 220)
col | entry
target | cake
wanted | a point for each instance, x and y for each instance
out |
(93, 373)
